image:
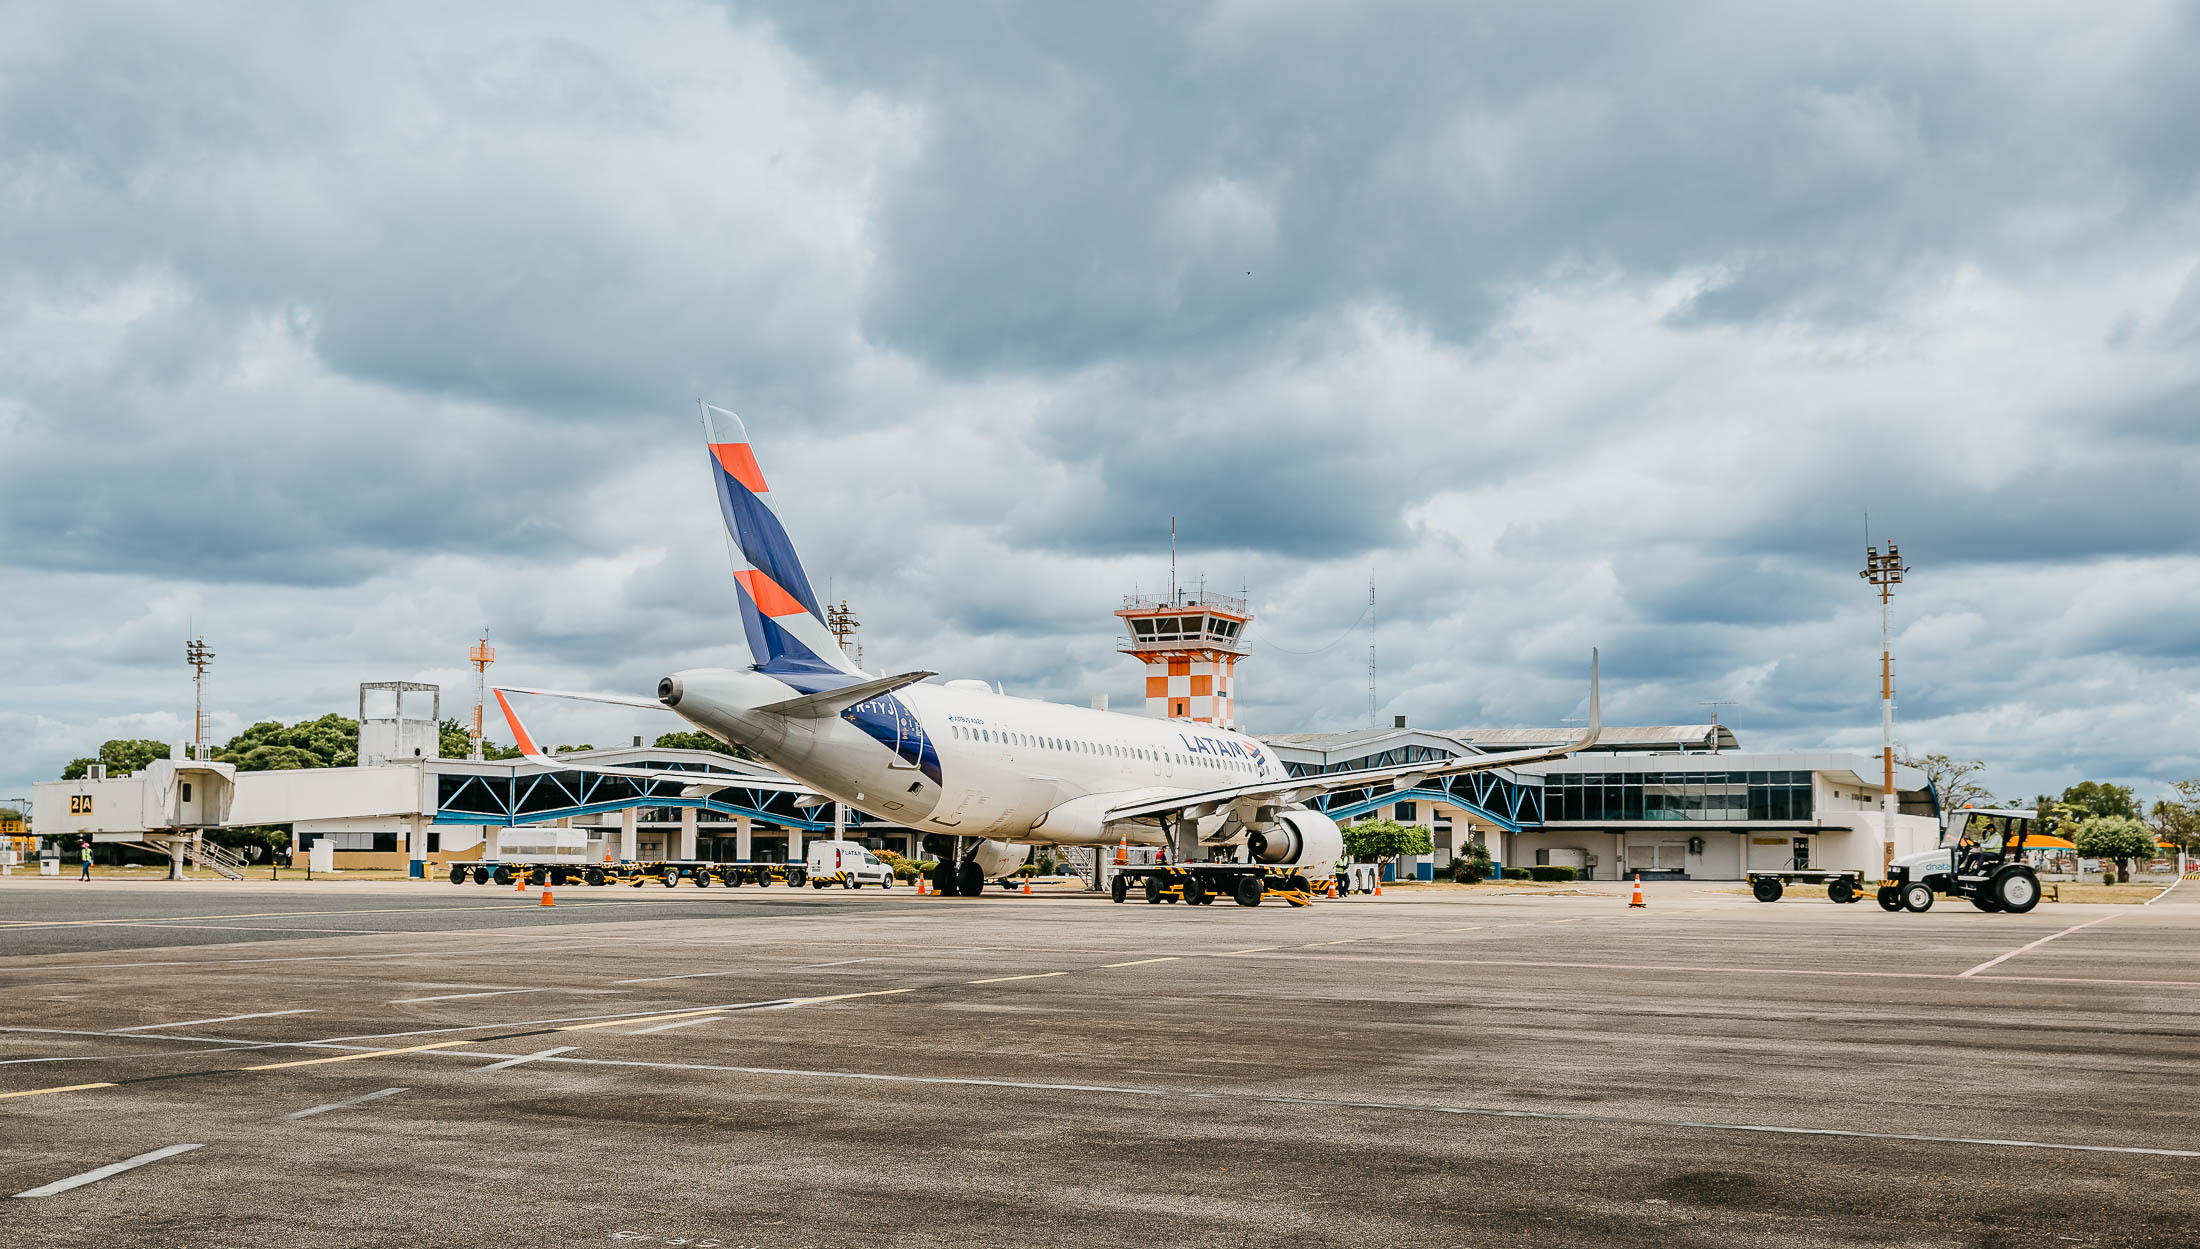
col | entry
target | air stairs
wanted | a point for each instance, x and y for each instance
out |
(201, 853)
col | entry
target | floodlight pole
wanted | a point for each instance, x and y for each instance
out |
(1885, 572)
(200, 658)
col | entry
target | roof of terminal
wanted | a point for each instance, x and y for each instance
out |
(1648, 737)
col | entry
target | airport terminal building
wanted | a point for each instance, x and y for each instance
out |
(1674, 802)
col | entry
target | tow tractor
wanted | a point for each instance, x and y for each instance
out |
(1198, 884)
(1981, 857)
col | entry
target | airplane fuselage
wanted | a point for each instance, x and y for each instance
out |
(962, 760)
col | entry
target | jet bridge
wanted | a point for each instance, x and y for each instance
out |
(166, 808)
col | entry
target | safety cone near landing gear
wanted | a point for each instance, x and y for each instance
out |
(546, 896)
(923, 886)
(1122, 850)
(1027, 888)
(1638, 894)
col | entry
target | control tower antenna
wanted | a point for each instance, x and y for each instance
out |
(1374, 720)
(1172, 559)
(843, 624)
(200, 659)
(481, 656)
(1884, 572)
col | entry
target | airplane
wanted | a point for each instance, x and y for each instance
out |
(985, 775)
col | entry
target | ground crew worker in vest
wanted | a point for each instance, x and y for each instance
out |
(84, 850)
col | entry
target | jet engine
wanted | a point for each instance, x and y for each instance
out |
(1300, 838)
(998, 858)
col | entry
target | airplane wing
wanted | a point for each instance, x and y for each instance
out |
(697, 783)
(1298, 789)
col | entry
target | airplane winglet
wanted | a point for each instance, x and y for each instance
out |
(520, 735)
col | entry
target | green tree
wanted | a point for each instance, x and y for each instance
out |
(1375, 841)
(329, 742)
(1952, 780)
(690, 741)
(2115, 837)
(121, 755)
(2096, 798)
(1474, 866)
(2177, 820)
(453, 740)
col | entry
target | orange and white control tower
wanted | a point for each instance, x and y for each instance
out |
(1190, 643)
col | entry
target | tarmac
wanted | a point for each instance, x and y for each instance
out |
(425, 1064)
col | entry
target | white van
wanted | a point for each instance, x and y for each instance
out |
(847, 864)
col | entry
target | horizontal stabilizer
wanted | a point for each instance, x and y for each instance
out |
(832, 702)
(617, 700)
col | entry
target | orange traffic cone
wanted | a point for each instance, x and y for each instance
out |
(1027, 885)
(1638, 894)
(519, 883)
(1332, 886)
(923, 886)
(1122, 851)
(546, 897)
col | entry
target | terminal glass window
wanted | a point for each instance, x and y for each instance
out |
(1723, 797)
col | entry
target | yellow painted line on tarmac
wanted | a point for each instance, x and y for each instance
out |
(352, 1058)
(842, 997)
(62, 1088)
(1037, 975)
(633, 1019)
(1142, 962)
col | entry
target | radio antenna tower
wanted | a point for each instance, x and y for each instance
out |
(1884, 572)
(1715, 704)
(200, 659)
(481, 656)
(1374, 721)
(843, 624)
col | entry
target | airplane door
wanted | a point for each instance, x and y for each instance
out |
(910, 742)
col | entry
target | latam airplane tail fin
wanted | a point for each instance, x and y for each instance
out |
(779, 611)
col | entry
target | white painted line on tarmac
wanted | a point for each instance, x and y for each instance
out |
(2165, 893)
(454, 997)
(1142, 962)
(1408, 1107)
(704, 975)
(185, 1023)
(463, 951)
(97, 1174)
(524, 1058)
(1996, 962)
(1037, 975)
(362, 1099)
(157, 923)
(677, 1023)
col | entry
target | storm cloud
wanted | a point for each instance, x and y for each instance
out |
(341, 333)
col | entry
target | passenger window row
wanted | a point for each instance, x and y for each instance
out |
(1077, 746)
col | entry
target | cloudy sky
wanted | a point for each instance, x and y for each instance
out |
(340, 335)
